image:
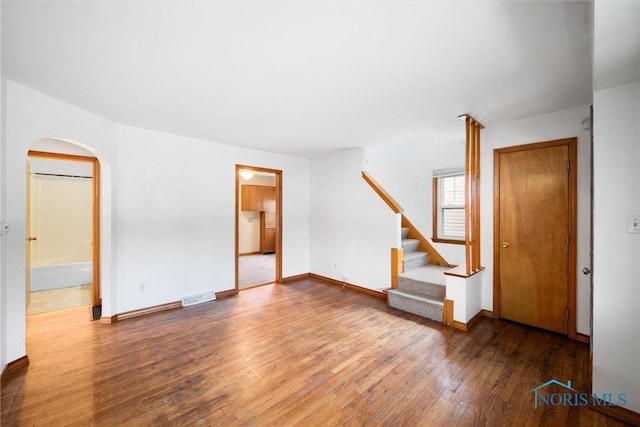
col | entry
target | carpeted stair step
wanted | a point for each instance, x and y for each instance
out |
(416, 304)
(413, 260)
(428, 281)
(421, 288)
(410, 245)
(429, 290)
(428, 273)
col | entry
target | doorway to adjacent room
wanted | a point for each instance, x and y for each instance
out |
(258, 226)
(62, 256)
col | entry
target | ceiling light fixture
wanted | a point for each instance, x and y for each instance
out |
(247, 174)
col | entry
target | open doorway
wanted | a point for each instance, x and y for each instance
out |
(258, 226)
(62, 233)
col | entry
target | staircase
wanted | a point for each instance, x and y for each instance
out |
(421, 288)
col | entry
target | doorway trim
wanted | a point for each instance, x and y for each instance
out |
(95, 250)
(278, 186)
(572, 145)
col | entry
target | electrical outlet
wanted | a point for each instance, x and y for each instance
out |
(633, 224)
(142, 287)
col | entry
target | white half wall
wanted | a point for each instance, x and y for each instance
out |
(546, 127)
(352, 229)
(466, 296)
(616, 264)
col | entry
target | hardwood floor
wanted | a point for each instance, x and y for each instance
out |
(304, 353)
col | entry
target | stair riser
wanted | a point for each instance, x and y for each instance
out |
(410, 245)
(405, 232)
(417, 261)
(429, 290)
(420, 308)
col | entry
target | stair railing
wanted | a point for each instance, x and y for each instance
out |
(397, 254)
(390, 201)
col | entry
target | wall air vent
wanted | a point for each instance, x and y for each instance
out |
(199, 298)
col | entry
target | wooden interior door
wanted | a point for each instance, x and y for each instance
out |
(536, 222)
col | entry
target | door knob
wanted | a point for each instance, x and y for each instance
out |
(505, 244)
(31, 239)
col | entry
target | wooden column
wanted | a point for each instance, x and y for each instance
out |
(472, 195)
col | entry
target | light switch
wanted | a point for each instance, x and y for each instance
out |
(633, 224)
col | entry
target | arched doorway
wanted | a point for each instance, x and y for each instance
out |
(58, 151)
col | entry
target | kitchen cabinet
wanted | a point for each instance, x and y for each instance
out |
(268, 232)
(258, 198)
(261, 198)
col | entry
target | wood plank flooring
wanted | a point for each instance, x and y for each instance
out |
(304, 353)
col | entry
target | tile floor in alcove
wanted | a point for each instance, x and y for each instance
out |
(59, 299)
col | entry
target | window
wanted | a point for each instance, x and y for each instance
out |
(448, 206)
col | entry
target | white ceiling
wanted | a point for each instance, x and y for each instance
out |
(303, 78)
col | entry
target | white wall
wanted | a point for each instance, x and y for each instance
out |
(405, 171)
(167, 208)
(616, 255)
(61, 219)
(3, 281)
(176, 215)
(352, 229)
(616, 269)
(546, 127)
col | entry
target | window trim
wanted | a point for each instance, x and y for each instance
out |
(436, 215)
